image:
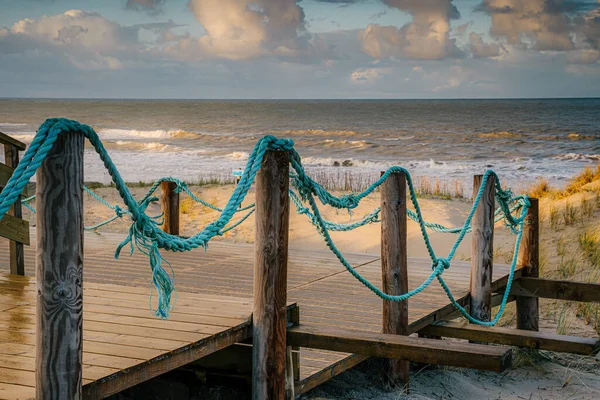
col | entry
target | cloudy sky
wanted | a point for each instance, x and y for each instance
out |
(299, 49)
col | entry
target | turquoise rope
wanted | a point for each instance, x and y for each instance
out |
(147, 237)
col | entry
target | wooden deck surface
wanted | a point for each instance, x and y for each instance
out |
(123, 343)
(325, 292)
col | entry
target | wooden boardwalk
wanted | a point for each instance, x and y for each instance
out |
(123, 344)
(326, 293)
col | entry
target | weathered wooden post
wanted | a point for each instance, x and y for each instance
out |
(17, 254)
(394, 266)
(528, 307)
(270, 277)
(482, 250)
(170, 207)
(59, 347)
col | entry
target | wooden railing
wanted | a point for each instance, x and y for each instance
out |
(12, 226)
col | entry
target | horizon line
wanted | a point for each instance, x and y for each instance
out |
(301, 99)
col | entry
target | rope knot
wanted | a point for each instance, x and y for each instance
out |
(441, 261)
(180, 187)
(119, 211)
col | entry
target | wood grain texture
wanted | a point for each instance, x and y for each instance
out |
(17, 254)
(14, 228)
(8, 140)
(482, 250)
(170, 207)
(528, 258)
(394, 269)
(60, 270)
(5, 174)
(270, 277)
(514, 337)
(431, 351)
(556, 289)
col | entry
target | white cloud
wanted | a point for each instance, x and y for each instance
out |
(481, 49)
(77, 28)
(425, 38)
(242, 29)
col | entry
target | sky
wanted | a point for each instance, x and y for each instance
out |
(292, 49)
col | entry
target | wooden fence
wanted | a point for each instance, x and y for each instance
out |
(12, 226)
(59, 255)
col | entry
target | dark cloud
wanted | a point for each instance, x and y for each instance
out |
(151, 6)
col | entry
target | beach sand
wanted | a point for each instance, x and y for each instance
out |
(542, 375)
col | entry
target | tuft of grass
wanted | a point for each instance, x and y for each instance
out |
(563, 324)
(186, 205)
(569, 213)
(541, 188)
(583, 178)
(567, 267)
(554, 217)
(587, 208)
(561, 246)
(589, 242)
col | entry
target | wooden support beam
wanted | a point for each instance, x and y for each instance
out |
(482, 250)
(5, 139)
(514, 337)
(170, 207)
(430, 351)
(556, 289)
(14, 228)
(528, 257)
(5, 174)
(60, 270)
(17, 253)
(270, 277)
(394, 269)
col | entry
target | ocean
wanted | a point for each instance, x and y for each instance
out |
(447, 139)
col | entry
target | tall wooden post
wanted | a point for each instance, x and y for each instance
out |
(170, 207)
(270, 277)
(394, 269)
(528, 258)
(17, 254)
(482, 250)
(59, 266)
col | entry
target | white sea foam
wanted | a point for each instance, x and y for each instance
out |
(578, 157)
(11, 124)
(116, 134)
(238, 155)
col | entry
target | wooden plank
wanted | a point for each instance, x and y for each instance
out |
(17, 254)
(60, 270)
(16, 392)
(14, 228)
(322, 375)
(514, 337)
(270, 277)
(170, 207)
(431, 351)
(122, 380)
(5, 139)
(482, 250)
(529, 258)
(5, 174)
(556, 289)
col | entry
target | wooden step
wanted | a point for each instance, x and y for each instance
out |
(513, 337)
(429, 351)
